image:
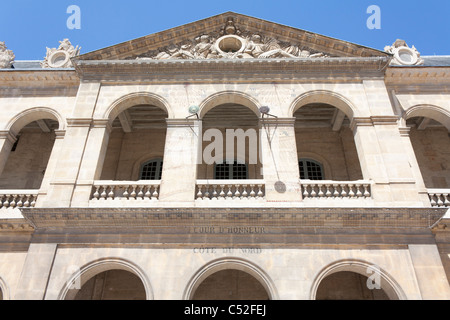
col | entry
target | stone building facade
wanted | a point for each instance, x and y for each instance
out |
(117, 181)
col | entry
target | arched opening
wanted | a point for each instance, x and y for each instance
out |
(430, 139)
(230, 275)
(325, 142)
(107, 279)
(355, 280)
(347, 285)
(28, 157)
(230, 134)
(137, 136)
(1, 294)
(111, 285)
(230, 284)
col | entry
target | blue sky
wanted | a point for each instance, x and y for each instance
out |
(29, 26)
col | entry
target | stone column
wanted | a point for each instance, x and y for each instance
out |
(181, 152)
(51, 167)
(384, 160)
(370, 158)
(7, 140)
(422, 190)
(62, 186)
(36, 272)
(279, 160)
(92, 163)
(66, 172)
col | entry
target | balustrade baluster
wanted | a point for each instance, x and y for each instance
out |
(446, 200)
(26, 204)
(252, 191)
(103, 194)
(96, 194)
(156, 192)
(440, 203)
(214, 194)
(237, 193)
(148, 194)
(358, 191)
(244, 192)
(260, 193)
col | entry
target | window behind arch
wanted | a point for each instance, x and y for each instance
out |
(310, 169)
(231, 171)
(151, 170)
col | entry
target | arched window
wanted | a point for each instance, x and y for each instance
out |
(231, 171)
(151, 170)
(310, 169)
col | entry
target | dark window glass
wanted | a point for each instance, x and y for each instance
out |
(310, 169)
(151, 170)
(231, 171)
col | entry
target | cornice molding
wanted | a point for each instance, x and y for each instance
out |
(15, 225)
(39, 75)
(243, 69)
(428, 79)
(167, 218)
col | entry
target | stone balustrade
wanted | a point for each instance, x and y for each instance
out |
(230, 190)
(336, 189)
(126, 190)
(439, 197)
(18, 198)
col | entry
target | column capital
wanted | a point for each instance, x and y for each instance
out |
(373, 121)
(79, 122)
(404, 131)
(102, 123)
(8, 135)
(60, 134)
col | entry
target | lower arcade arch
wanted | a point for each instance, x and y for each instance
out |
(355, 280)
(230, 279)
(108, 280)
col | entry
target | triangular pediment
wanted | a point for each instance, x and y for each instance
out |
(231, 35)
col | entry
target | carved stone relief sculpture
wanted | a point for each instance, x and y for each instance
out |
(60, 57)
(6, 57)
(232, 43)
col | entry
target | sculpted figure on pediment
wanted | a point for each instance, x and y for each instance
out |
(174, 52)
(6, 57)
(231, 43)
(203, 47)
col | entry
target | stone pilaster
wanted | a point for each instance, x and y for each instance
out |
(181, 152)
(36, 272)
(67, 170)
(51, 167)
(92, 162)
(279, 160)
(7, 140)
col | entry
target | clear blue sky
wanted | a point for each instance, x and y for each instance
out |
(29, 26)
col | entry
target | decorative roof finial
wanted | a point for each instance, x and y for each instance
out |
(60, 57)
(6, 57)
(404, 55)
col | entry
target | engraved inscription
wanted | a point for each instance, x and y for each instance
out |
(229, 230)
